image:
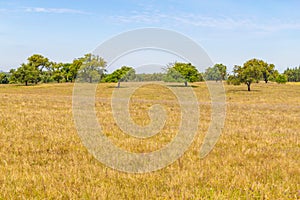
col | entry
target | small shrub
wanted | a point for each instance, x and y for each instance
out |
(281, 79)
(232, 80)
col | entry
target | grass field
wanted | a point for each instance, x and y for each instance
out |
(256, 157)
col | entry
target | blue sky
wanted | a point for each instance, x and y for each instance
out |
(231, 32)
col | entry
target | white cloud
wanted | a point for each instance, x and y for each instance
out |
(54, 10)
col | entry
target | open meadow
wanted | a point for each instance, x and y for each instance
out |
(256, 157)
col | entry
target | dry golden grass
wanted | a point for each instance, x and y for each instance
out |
(257, 156)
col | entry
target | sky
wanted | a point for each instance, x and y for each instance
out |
(231, 32)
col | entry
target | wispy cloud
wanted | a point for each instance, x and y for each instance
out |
(54, 10)
(220, 22)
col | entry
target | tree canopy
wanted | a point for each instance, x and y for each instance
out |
(281, 78)
(255, 70)
(4, 78)
(92, 68)
(182, 72)
(217, 72)
(26, 74)
(293, 74)
(250, 72)
(268, 70)
(123, 74)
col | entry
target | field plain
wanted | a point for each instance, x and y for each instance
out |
(256, 157)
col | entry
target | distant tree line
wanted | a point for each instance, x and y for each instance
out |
(40, 69)
(292, 74)
(91, 68)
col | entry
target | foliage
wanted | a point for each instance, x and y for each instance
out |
(26, 74)
(293, 74)
(4, 78)
(272, 78)
(250, 72)
(46, 77)
(123, 74)
(201, 77)
(58, 73)
(217, 72)
(233, 80)
(40, 68)
(150, 77)
(72, 70)
(268, 70)
(182, 72)
(256, 69)
(281, 78)
(92, 68)
(33, 71)
(40, 62)
(173, 76)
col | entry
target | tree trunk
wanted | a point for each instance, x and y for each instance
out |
(185, 84)
(119, 83)
(248, 84)
(91, 79)
(26, 83)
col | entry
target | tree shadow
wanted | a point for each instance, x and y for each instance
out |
(192, 86)
(117, 87)
(242, 90)
(23, 85)
(175, 85)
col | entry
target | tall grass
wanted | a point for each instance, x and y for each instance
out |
(257, 156)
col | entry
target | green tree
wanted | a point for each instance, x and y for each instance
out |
(182, 72)
(42, 64)
(249, 73)
(46, 76)
(293, 74)
(281, 78)
(92, 68)
(57, 71)
(123, 74)
(233, 80)
(217, 72)
(4, 78)
(212, 73)
(39, 62)
(173, 76)
(73, 69)
(149, 77)
(26, 74)
(201, 77)
(275, 73)
(222, 70)
(268, 70)
(12, 79)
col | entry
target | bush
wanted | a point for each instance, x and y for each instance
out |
(232, 80)
(4, 79)
(281, 79)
